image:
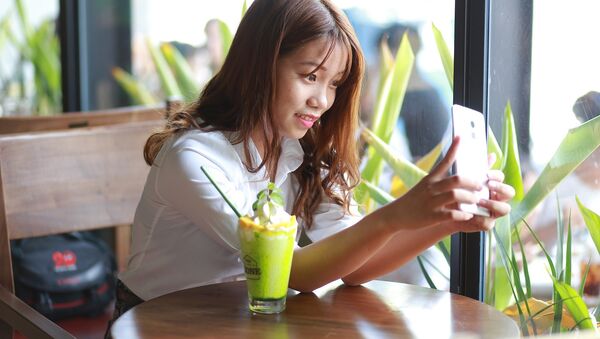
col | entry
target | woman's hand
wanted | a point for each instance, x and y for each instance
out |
(500, 193)
(435, 198)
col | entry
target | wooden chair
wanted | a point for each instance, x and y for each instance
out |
(64, 181)
(27, 124)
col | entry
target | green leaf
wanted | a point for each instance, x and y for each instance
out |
(45, 57)
(517, 280)
(548, 258)
(427, 161)
(23, 19)
(401, 71)
(374, 166)
(226, 37)
(40, 48)
(560, 240)
(244, 8)
(167, 80)
(386, 62)
(277, 198)
(376, 193)
(510, 149)
(558, 312)
(568, 255)
(444, 247)
(425, 273)
(494, 147)
(525, 268)
(445, 55)
(407, 171)
(502, 290)
(388, 105)
(136, 90)
(488, 298)
(182, 70)
(519, 289)
(592, 221)
(576, 146)
(574, 304)
(506, 263)
(4, 29)
(584, 277)
(435, 267)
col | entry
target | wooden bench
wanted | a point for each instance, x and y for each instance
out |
(64, 181)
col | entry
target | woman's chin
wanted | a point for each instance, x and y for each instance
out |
(295, 134)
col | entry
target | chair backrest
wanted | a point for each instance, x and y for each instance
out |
(26, 124)
(29, 124)
(65, 181)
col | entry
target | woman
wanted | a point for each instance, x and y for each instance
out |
(283, 108)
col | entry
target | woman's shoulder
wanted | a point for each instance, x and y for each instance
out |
(197, 136)
(213, 145)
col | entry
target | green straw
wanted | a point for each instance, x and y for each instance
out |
(220, 192)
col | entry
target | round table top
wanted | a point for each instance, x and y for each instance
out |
(375, 309)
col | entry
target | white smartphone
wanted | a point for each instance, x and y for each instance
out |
(471, 158)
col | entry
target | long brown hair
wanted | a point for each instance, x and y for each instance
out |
(239, 97)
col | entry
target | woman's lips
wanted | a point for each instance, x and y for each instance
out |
(306, 120)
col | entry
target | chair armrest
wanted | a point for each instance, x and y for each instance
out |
(21, 317)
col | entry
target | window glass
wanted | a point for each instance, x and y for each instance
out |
(565, 86)
(193, 28)
(544, 62)
(424, 115)
(29, 58)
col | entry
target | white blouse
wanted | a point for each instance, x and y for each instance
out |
(184, 233)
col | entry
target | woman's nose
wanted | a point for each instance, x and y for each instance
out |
(318, 99)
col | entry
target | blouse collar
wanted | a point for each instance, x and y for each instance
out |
(292, 156)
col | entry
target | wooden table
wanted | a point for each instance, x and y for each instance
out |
(377, 309)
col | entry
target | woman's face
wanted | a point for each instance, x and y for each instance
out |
(303, 94)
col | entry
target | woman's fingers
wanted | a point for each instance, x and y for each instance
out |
(496, 175)
(500, 191)
(442, 168)
(455, 196)
(454, 182)
(497, 208)
(479, 224)
(447, 215)
(475, 224)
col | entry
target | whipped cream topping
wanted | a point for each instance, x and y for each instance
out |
(268, 209)
(271, 215)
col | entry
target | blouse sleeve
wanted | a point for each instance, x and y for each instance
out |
(331, 218)
(183, 186)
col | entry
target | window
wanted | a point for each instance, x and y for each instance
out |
(197, 30)
(543, 61)
(29, 59)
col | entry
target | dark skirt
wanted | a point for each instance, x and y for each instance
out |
(125, 300)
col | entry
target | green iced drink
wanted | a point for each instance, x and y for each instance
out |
(267, 257)
(267, 239)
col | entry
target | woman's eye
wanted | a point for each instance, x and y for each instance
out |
(311, 77)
